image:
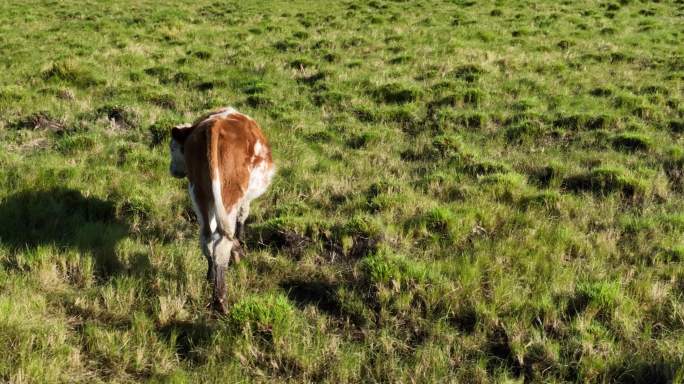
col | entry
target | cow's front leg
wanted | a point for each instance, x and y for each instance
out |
(237, 252)
(242, 215)
(206, 242)
(239, 248)
(207, 224)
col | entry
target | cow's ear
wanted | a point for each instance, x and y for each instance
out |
(180, 133)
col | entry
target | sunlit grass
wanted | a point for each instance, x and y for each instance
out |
(466, 191)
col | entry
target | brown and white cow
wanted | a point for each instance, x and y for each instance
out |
(228, 163)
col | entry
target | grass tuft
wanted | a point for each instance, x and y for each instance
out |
(469, 73)
(72, 72)
(674, 168)
(676, 126)
(585, 121)
(273, 312)
(631, 142)
(604, 181)
(397, 93)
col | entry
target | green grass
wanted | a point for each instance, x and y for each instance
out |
(466, 191)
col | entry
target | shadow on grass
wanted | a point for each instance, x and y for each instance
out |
(64, 218)
(636, 370)
(318, 293)
(189, 338)
(324, 296)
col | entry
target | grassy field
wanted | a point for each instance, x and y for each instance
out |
(468, 191)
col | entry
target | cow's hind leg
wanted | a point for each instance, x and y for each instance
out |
(222, 251)
(208, 239)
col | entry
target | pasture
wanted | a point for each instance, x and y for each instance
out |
(467, 191)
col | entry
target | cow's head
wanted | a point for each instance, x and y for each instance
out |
(179, 134)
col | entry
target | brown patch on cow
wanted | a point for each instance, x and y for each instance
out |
(194, 141)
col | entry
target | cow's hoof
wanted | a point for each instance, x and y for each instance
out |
(217, 306)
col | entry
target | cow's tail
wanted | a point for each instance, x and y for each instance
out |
(225, 221)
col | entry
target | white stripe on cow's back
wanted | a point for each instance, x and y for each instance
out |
(223, 112)
(227, 111)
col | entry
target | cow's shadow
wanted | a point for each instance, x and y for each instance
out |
(63, 218)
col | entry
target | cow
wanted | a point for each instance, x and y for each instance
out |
(227, 161)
